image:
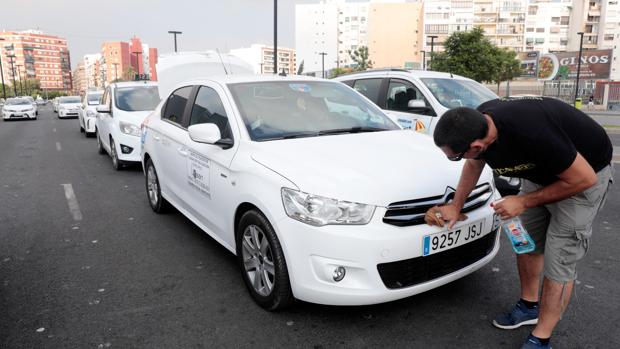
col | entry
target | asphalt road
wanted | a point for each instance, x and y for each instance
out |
(125, 277)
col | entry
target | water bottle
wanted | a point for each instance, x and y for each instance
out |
(520, 240)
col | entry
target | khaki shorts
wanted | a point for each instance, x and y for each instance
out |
(562, 230)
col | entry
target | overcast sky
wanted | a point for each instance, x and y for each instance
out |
(206, 24)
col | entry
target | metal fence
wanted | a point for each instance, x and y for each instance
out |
(560, 89)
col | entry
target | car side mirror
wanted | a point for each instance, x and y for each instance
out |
(417, 105)
(209, 134)
(103, 109)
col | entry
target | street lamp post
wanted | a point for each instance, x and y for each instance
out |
(175, 33)
(19, 74)
(261, 67)
(433, 37)
(423, 59)
(2, 74)
(578, 67)
(323, 54)
(275, 36)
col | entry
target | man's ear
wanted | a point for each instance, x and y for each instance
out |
(478, 144)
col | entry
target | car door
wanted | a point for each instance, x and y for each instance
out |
(169, 136)
(104, 119)
(408, 106)
(208, 166)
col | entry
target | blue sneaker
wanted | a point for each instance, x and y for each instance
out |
(519, 316)
(533, 343)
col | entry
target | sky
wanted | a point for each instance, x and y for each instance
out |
(206, 24)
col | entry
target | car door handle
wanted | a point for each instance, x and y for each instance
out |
(183, 152)
(156, 138)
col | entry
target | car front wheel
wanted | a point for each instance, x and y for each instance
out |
(153, 190)
(116, 163)
(262, 262)
(100, 149)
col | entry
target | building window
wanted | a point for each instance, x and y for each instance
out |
(540, 30)
(532, 10)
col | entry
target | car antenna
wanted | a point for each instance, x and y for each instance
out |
(221, 61)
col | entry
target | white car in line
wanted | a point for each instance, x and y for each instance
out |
(18, 108)
(119, 117)
(87, 115)
(69, 107)
(318, 193)
(34, 104)
(55, 104)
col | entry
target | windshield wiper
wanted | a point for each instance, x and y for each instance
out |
(293, 135)
(356, 129)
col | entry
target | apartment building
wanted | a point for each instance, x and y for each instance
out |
(122, 60)
(316, 35)
(79, 79)
(547, 26)
(395, 36)
(352, 29)
(35, 55)
(260, 57)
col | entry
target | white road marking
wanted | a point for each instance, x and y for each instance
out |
(72, 201)
(58, 147)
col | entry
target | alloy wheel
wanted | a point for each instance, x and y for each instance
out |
(258, 260)
(152, 185)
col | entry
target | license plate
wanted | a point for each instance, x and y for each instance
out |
(446, 240)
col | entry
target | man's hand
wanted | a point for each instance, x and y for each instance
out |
(509, 206)
(439, 215)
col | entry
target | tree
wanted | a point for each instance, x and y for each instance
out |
(341, 71)
(508, 66)
(472, 55)
(128, 74)
(361, 58)
(300, 70)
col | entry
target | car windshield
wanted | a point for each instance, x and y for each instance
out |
(288, 109)
(93, 99)
(137, 98)
(17, 101)
(66, 100)
(452, 93)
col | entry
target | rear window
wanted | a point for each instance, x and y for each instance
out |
(93, 99)
(70, 100)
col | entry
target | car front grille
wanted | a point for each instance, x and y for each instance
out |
(411, 212)
(417, 270)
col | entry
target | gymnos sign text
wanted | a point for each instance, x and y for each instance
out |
(595, 64)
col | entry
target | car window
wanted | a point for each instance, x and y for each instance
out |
(64, 100)
(93, 99)
(208, 108)
(175, 105)
(106, 97)
(369, 88)
(276, 110)
(400, 92)
(452, 93)
(136, 98)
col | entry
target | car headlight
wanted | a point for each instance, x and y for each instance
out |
(29, 109)
(318, 210)
(129, 129)
(90, 113)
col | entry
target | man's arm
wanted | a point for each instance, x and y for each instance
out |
(578, 177)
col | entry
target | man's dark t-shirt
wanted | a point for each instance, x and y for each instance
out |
(538, 138)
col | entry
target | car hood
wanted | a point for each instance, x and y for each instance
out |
(18, 107)
(133, 117)
(373, 168)
(70, 105)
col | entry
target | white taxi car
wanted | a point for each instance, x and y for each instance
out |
(18, 108)
(69, 107)
(319, 194)
(88, 113)
(117, 128)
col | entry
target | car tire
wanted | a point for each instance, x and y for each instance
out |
(153, 189)
(116, 163)
(100, 148)
(259, 253)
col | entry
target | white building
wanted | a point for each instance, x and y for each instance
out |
(316, 35)
(260, 57)
(614, 73)
(92, 73)
(352, 30)
(547, 26)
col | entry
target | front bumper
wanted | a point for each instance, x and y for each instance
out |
(63, 113)
(314, 252)
(18, 115)
(125, 141)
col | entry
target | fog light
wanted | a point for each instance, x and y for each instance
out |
(125, 149)
(339, 273)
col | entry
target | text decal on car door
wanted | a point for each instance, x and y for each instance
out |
(198, 172)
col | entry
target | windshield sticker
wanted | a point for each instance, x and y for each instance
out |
(198, 172)
(300, 87)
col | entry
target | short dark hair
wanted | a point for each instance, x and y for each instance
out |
(458, 127)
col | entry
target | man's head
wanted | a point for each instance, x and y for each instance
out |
(460, 133)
